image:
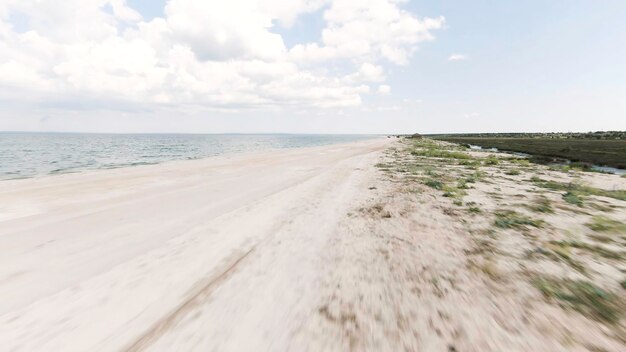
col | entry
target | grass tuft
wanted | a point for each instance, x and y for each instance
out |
(604, 224)
(573, 198)
(433, 184)
(512, 172)
(491, 160)
(541, 205)
(582, 296)
(510, 219)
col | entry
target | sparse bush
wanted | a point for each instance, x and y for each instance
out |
(512, 172)
(476, 176)
(462, 184)
(573, 198)
(510, 219)
(491, 160)
(452, 192)
(433, 184)
(474, 210)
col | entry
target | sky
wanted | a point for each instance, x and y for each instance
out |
(312, 66)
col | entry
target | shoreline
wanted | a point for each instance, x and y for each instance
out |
(226, 155)
(218, 148)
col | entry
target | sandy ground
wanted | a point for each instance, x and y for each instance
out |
(223, 252)
(312, 249)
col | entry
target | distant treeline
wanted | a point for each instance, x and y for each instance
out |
(600, 135)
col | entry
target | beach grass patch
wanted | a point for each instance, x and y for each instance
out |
(491, 160)
(474, 209)
(436, 184)
(578, 189)
(474, 177)
(541, 205)
(512, 172)
(520, 161)
(507, 219)
(604, 224)
(452, 192)
(583, 297)
(573, 198)
(591, 248)
(440, 153)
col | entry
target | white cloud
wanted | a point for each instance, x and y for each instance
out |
(202, 54)
(384, 89)
(457, 57)
(368, 30)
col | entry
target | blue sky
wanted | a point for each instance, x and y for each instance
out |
(266, 66)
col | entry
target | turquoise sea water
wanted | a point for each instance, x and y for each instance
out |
(25, 155)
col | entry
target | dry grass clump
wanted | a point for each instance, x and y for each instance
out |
(583, 297)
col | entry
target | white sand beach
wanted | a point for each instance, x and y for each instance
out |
(118, 259)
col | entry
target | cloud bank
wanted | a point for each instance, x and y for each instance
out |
(223, 55)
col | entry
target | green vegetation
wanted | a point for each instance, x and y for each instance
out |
(582, 296)
(470, 163)
(599, 135)
(519, 161)
(610, 152)
(452, 192)
(476, 176)
(573, 198)
(474, 210)
(512, 172)
(604, 224)
(541, 205)
(598, 250)
(491, 160)
(440, 153)
(433, 184)
(578, 190)
(462, 184)
(510, 219)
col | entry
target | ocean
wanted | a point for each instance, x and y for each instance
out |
(24, 155)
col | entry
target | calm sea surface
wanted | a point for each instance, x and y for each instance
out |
(25, 155)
